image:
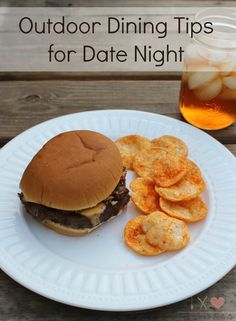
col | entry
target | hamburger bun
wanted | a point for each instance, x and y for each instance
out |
(74, 170)
(69, 231)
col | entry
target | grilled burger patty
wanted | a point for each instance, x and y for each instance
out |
(75, 219)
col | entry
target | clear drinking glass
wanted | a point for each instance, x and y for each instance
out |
(208, 89)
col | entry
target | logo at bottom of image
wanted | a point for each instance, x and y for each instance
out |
(208, 304)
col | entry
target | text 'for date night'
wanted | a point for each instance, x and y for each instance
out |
(144, 53)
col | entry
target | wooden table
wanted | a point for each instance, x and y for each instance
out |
(28, 99)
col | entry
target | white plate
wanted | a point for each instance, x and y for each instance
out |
(98, 271)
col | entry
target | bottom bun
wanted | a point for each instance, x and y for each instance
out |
(61, 229)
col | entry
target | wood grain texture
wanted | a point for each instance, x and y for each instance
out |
(115, 3)
(102, 3)
(27, 103)
(18, 304)
(16, 46)
(232, 148)
(142, 75)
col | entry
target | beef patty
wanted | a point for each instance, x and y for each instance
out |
(75, 219)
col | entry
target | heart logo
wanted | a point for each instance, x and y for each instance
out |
(217, 303)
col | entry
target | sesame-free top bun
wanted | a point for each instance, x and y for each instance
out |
(73, 171)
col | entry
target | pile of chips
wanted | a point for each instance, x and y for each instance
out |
(166, 192)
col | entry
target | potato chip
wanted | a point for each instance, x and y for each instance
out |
(189, 187)
(156, 226)
(144, 161)
(169, 169)
(177, 236)
(129, 146)
(166, 232)
(135, 238)
(144, 195)
(189, 211)
(172, 144)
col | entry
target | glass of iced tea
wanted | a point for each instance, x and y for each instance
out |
(208, 89)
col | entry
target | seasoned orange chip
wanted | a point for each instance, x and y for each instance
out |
(135, 238)
(166, 232)
(144, 195)
(129, 146)
(156, 226)
(169, 169)
(189, 187)
(189, 211)
(177, 236)
(144, 161)
(172, 144)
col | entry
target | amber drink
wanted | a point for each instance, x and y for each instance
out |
(208, 89)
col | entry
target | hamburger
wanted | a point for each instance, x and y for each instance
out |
(75, 183)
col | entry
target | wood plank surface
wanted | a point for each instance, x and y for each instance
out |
(90, 75)
(30, 98)
(16, 46)
(20, 304)
(232, 148)
(104, 75)
(27, 103)
(116, 3)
